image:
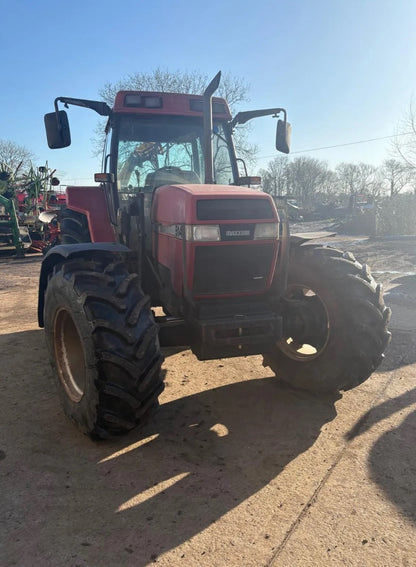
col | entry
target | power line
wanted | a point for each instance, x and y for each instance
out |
(345, 144)
(302, 151)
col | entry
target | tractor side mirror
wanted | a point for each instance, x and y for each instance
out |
(283, 134)
(57, 129)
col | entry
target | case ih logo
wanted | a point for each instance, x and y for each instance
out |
(236, 233)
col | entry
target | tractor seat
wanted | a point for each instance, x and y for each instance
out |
(170, 176)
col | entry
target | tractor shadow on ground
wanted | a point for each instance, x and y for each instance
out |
(146, 493)
(392, 463)
(211, 452)
(392, 459)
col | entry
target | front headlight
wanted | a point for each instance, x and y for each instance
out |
(203, 232)
(266, 230)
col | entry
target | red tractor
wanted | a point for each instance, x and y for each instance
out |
(171, 226)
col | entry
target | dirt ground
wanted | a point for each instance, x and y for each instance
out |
(235, 469)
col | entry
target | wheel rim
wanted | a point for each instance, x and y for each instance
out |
(307, 333)
(69, 355)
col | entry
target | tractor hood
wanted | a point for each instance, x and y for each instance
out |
(193, 204)
(214, 240)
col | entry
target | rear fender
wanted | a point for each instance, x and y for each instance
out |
(64, 252)
(92, 202)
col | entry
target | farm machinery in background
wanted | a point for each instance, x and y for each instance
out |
(28, 210)
(13, 236)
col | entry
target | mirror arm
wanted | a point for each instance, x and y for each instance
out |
(243, 117)
(101, 108)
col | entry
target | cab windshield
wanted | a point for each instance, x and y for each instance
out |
(160, 150)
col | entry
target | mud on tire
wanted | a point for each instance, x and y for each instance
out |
(103, 345)
(335, 322)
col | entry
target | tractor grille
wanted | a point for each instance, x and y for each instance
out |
(234, 209)
(232, 269)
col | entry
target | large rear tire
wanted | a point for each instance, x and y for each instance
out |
(103, 345)
(335, 322)
(74, 227)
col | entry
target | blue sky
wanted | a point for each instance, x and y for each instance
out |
(344, 69)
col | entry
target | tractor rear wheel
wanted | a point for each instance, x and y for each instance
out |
(103, 345)
(335, 322)
(74, 227)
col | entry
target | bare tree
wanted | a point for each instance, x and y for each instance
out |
(274, 177)
(404, 144)
(329, 185)
(396, 174)
(15, 157)
(233, 89)
(349, 176)
(371, 181)
(305, 178)
(361, 178)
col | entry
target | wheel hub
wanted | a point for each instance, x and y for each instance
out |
(306, 327)
(69, 355)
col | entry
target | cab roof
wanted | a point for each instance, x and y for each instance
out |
(174, 104)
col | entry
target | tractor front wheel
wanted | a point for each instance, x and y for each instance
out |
(103, 345)
(334, 322)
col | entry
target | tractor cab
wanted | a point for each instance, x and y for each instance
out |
(166, 146)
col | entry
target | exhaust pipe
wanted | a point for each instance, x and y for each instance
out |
(208, 159)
